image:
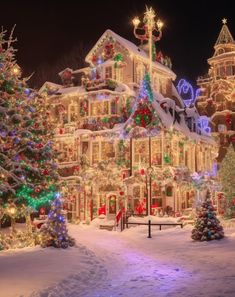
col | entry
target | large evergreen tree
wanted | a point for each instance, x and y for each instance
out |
(28, 172)
(207, 226)
(227, 179)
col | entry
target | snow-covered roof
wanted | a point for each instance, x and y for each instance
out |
(49, 86)
(132, 48)
(71, 91)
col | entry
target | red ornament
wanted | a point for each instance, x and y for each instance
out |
(45, 172)
(39, 145)
(142, 172)
(42, 211)
(94, 59)
(37, 190)
(228, 119)
(121, 193)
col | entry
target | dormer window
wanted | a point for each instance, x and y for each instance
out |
(108, 72)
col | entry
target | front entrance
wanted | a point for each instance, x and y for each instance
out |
(112, 205)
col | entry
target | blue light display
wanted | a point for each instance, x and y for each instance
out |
(203, 124)
(187, 93)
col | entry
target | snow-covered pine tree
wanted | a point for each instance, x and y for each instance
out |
(54, 232)
(28, 172)
(207, 226)
(227, 179)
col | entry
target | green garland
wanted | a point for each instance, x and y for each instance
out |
(27, 194)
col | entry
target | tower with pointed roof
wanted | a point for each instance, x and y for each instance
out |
(217, 97)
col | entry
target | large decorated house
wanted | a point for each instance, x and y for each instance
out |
(122, 142)
(217, 98)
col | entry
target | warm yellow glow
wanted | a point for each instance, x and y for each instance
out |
(16, 70)
(136, 21)
(12, 210)
(159, 24)
(149, 15)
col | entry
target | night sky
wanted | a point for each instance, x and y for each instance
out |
(47, 30)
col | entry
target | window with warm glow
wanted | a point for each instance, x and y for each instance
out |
(119, 74)
(73, 113)
(141, 151)
(108, 72)
(95, 152)
(107, 150)
(100, 108)
(157, 152)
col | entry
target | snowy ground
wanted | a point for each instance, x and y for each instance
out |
(111, 264)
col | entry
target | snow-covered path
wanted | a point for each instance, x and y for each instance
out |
(111, 264)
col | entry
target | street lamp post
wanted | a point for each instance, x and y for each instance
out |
(149, 174)
(150, 28)
(152, 32)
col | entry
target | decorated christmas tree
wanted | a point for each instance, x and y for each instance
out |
(207, 226)
(227, 179)
(143, 120)
(54, 231)
(27, 169)
(28, 172)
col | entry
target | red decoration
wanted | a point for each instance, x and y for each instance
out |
(210, 101)
(121, 193)
(143, 115)
(42, 211)
(102, 210)
(67, 75)
(76, 167)
(39, 145)
(142, 172)
(108, 51)
(37, 190)
(228, 119)
(45, 172)
(118, 216)
(94, 59)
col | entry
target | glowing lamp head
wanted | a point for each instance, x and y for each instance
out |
(12, 210)
(136, 22)
(160, 24)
